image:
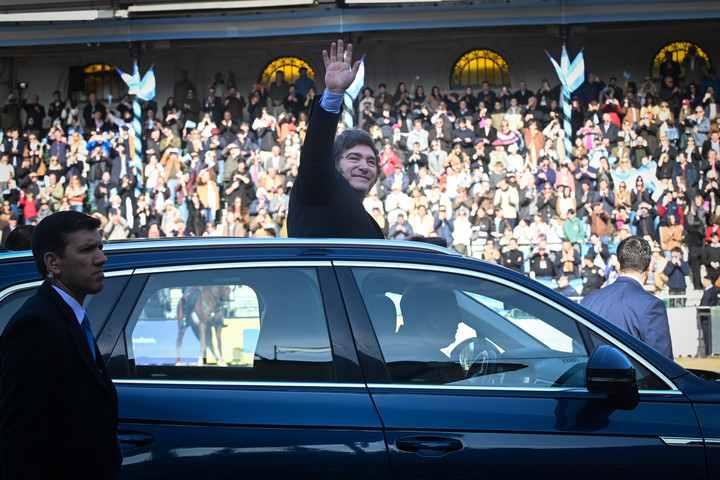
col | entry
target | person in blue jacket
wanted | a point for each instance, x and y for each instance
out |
(626, 304)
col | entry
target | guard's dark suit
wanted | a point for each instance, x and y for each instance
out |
(322, 202)
(58, 406)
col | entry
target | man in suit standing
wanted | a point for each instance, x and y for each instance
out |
(58, 406)
(609, 129)
(626, 304)
(709, 299)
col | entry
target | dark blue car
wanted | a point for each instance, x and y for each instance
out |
(340, 359)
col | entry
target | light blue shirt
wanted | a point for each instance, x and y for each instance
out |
(331, 102)
(72, 303)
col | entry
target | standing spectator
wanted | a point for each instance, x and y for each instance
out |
(567, 261)
(117, 227)
(277, 92)
(592, 275)
(599, 222)
(444, 225)
(711, 257)
(710, 293)
(34, 111)
(191, 108)
(676, 270)
(671, 236)
(91, 109)
(304, 83)
(695, 238)
(514, 258)
(541, 263)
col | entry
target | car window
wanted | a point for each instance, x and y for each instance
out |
(444, 328)
(12, 303)
(97, 306)
(262, 324)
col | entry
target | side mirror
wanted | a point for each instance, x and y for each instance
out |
(609, 372)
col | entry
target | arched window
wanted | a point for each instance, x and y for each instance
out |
(677, 52)
(103, 80)
(478, 66)
(290, 66)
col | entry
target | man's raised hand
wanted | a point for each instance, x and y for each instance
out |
(340, 72)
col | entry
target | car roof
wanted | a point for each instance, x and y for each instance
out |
(184, 243)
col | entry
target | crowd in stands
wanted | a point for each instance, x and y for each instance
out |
(486, 170)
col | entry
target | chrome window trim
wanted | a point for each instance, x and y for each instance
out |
(377, 386)
(404, 386)
(318, 243)
(36, 283)
(712, 442)
(19, 287)
(234, 264)
(683, 441)
(237, 383)
(514, 286)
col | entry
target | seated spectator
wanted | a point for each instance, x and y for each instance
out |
(565, 288)
(400, 229)
(491, 253)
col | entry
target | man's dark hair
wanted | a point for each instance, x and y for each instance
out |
(52, 234)
(676, 249)
(349, 138)
(634, 254)
(20, 238)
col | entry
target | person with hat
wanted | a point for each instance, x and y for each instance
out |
(304, 83)
(627, 305)
(592, 275)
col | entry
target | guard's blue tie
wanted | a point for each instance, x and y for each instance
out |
(85, 324)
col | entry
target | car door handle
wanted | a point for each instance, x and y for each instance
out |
(429, 446)
(130, 440)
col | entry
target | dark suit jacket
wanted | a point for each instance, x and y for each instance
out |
(58, 406)
(322, 202)
(610, 131)
(626, 304)
(490, 135)
(116, 168)
(15, 160)
(710, 297)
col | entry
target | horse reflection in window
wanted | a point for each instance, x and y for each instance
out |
(201, 309)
